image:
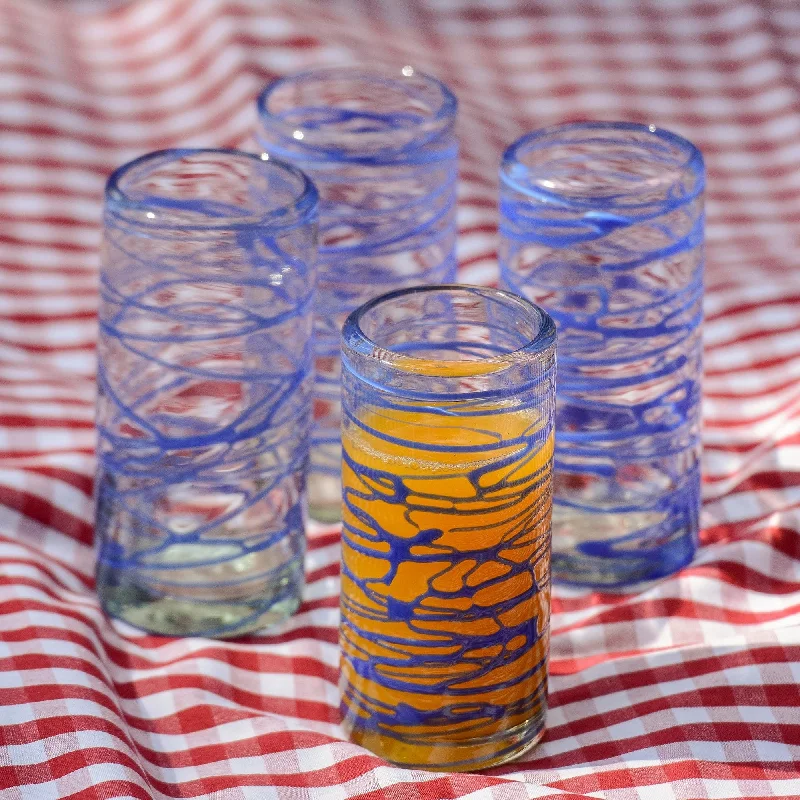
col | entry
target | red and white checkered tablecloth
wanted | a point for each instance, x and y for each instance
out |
(688, 689)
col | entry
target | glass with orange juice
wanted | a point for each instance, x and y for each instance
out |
(448, 410)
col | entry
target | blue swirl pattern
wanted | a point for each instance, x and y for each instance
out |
(602, 225)
(204, 408)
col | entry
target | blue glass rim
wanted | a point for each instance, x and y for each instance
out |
(440, 120)
(539, 139)
(300, 210)
(355, 340)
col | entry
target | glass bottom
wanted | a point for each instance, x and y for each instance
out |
(214, 558)
(141, 603)
(612, 550)
(324, 485)
(324, 498)
(451, 756)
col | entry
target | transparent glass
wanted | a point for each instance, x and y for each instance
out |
(602, 224)
(381, 149)
(447, 432)
(204, 391)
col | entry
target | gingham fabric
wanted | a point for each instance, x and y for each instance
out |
(686, 689)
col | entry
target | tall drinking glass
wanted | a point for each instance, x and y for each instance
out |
(602, 224)
(204, 391)
(447, 433)
(380, 146)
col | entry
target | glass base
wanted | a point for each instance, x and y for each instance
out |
(324, 497)
(181, 615)
(451, 756)
(614, 550)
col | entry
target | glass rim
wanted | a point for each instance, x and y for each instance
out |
(443, 114)
(302, 205)
(354, 339)
(692, 162)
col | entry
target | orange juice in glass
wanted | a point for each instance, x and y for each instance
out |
(448, 399)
